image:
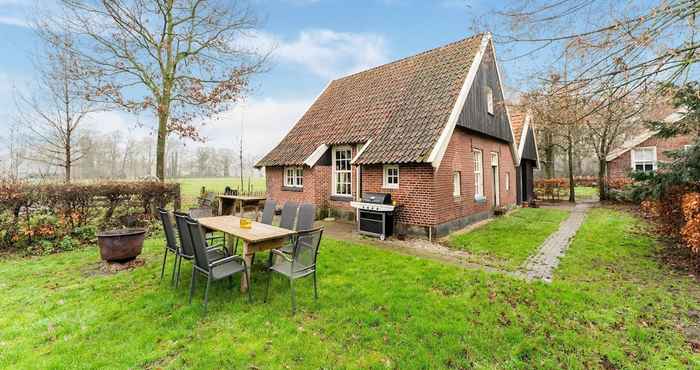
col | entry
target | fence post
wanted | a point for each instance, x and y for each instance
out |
(178, 197)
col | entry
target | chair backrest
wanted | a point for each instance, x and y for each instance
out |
(201, 212)
(170, 240)
(269, 211)
(199, 243)
(306, 249)
(307, 216)
(289, 215)
(184, 232)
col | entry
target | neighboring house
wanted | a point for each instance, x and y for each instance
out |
(529, 158)
(644, 152)
(430, 129)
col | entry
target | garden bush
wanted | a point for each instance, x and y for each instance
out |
(41, 218)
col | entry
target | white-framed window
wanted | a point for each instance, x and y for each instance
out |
(644, 159)
(489, 100)
(478, 174)
(342, 171)
(456, 184)
(507, 181)
(391, 176)
(294, 177)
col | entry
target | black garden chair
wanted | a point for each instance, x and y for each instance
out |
(299, 264)
(170, 242)
(268, 211)
(214, 270)
(214, 252)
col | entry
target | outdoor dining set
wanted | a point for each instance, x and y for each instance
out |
(210, 243)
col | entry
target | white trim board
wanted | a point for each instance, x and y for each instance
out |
(316, 155)
(440, 147)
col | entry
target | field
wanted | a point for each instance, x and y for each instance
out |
(191, 187)
(612, 305)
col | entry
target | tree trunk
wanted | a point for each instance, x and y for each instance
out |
(602, 179)
(69, 160)
(570, 158)
(549, 156)
(160, 147)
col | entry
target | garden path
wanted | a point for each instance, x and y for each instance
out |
(542, 265)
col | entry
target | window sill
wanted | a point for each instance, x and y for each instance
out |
(293, 188)
(480, 199)
(390, 188)
(341, 198)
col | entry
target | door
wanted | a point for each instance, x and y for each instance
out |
(496, 180)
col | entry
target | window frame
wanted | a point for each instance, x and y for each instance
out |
(456, 190)
(297, 177)
(335, 171)
(507, 185)
(478, 173)
(489, 100)
(385, 176)
(634, 161)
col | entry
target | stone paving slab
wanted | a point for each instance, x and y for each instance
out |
(542, 265)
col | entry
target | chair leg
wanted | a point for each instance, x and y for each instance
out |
(206, 293)
(172, 277)
(291, 288)
(179, 269)
(162, 270)
(194, 276)
(315, 287)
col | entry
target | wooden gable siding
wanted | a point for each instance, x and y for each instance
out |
(474, 115)
(529, 151)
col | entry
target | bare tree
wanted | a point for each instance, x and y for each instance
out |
(54, 111)
(183, 60)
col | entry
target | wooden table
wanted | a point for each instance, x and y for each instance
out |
(259, 237)
(231, 202)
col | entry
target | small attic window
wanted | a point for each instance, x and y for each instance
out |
(489, 100)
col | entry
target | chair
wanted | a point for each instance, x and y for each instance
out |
(214, 252)
(289, 215)
(214, 270)
(268, 211)
(200, 212)
(306, 217)
(301, 263)
(170, 241)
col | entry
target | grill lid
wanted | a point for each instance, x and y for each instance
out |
(376, 198)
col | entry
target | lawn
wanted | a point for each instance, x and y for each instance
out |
(612, 306)
(191, 187)
(586, 192)
(506, 242)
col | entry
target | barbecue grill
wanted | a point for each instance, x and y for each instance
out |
(375, 215)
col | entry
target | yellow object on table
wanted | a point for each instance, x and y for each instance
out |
(246, 223)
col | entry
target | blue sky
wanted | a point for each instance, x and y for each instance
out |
(316, 41)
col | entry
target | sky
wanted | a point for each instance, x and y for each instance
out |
(316, 41)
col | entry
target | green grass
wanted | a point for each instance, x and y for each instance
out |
(611, 305)
(506, 242)
(585, 192)
(190, 187)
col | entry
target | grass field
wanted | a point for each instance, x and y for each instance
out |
(506, 242)
(612, 305)
(191, 187)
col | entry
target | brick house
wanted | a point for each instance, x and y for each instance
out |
(521, 121)
(644, 152)
(430, 129)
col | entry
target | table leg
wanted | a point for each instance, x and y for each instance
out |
(248, 257)
(221, 206)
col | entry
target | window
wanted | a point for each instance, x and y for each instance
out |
(294, 177)
(342, 171)
(456, 184)
(489, 100)
(391, 176)
(478, 174)
(644, 159)
(507, 181)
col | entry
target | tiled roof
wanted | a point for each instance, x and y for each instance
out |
(401, 106)
(517, 122)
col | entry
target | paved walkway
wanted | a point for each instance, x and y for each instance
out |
(542, 265)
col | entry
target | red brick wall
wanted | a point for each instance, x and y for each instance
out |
(425, 195)
(622, 165)
(459, 157)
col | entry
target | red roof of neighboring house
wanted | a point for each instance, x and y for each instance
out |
(402, 107)
(517, 121)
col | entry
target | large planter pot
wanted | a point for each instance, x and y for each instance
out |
(121, 245)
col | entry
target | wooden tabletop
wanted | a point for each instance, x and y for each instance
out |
(242, 197)
(257, 233)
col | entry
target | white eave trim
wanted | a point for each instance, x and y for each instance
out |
(523, 137)
(443, 141)
(316, 155)
(359, 152)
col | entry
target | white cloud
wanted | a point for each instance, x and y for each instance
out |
(14, 21)
(326, 53)
(265, 122)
